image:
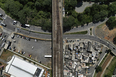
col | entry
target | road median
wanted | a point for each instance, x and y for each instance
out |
(42, 39)
(79, 32)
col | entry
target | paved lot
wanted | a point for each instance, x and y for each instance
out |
(84, 5)
(37, 49)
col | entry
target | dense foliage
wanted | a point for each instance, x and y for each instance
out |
(34, 12)
(111, 22)
(95, 13)
(98, 69)
(38, 12)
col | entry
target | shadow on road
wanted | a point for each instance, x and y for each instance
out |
(79, 4)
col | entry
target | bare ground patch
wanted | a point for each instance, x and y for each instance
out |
(104, 32)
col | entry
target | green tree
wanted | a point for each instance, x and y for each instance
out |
(110, 20)
(38, 5)
(98, 69)
(108, 75)
(87, 10)
(47, 26)
(103, 7)
(113, 25)
(74, 14)
(47, 5)
(112, 9)
(40, 15)
(96, 17)
(103, 14)
(30, 5)
(70, 6)
(13, 7)
(68, 23)
(22, 16)
(95, 9)
(77, 23)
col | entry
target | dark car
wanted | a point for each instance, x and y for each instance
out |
(23, 25)
(1, 15)
(3, 24)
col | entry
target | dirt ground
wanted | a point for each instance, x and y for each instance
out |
(105, 33)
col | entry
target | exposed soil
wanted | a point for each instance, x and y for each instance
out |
(105, 33)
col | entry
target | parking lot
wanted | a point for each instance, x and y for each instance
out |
(3, 39)
(36, 49)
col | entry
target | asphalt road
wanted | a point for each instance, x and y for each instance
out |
(37, 35)
(9, 22)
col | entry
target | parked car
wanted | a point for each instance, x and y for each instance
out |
(14, 22)
(25, 25)
(1, 15)
(3, 24)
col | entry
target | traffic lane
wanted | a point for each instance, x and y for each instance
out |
(2, 12)
(32, 34)
(9, 22)
(108, 44)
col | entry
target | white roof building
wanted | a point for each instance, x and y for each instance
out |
(19, 68)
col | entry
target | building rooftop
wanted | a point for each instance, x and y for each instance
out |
(17, 67)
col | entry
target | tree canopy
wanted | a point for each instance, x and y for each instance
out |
(35, 12)
(98, 69)
(111, 22)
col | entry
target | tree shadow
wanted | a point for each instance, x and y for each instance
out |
(80, 3)
(65, 30)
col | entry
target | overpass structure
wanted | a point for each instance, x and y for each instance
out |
(57, 39)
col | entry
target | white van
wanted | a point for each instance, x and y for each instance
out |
(27, 25)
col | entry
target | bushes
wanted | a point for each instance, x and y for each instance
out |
(98, 69)
(111, 22)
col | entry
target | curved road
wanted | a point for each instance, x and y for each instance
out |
(12, 28)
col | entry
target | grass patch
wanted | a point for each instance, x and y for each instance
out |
(82, 32)
(101, 25)
(110, 69)
(90, 31)
(36, 32)
(6, 54)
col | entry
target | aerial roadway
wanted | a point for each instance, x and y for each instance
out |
(57, 39)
